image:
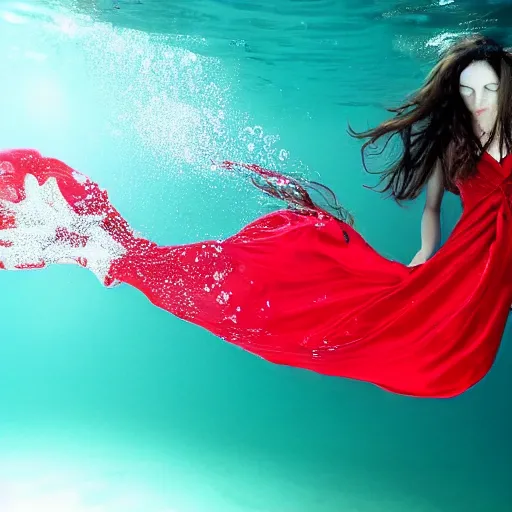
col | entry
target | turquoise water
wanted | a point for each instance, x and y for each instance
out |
(109, 404)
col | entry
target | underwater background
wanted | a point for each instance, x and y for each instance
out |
(108, 404)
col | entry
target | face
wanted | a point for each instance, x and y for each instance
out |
(479, 86)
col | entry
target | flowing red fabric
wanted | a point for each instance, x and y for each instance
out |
(301, 287)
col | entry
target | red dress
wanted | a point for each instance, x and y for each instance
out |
(302, 288)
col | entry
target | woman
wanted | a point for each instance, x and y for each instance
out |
(300, 286)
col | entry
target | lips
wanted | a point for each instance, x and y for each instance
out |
(480, 111)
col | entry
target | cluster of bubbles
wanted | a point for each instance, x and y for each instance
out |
(162, 103)
(157, 97)
(176, 101)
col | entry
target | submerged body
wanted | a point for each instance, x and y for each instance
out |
(300, 286)
(303, 288)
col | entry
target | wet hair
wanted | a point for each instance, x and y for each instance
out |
(299, 194)
(434, 124)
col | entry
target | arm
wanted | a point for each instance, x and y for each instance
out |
(431, 219)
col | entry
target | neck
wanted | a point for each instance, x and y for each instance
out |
(483, 129)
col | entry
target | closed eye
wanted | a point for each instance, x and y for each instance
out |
(466, 90)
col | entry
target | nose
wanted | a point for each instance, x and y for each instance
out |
(480, 100)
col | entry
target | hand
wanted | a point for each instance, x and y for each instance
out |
(47, 230)
(418, 259)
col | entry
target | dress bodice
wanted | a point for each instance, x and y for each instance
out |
(492, 179)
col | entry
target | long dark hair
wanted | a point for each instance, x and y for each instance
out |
(298, 193)
(435, 124)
